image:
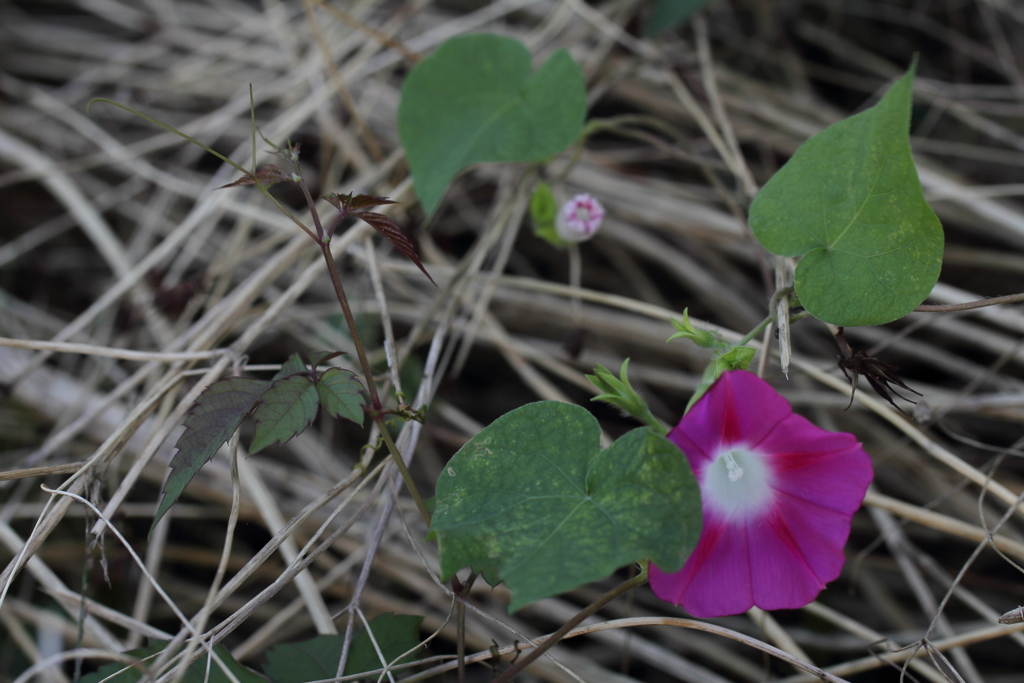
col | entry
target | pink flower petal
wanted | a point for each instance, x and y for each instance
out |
(740, 408)
(780, 552)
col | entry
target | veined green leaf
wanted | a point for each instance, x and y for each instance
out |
(341, 394)
(533, 498)
(285, 410)
(214, 418)
(475, 99)
(850, 204)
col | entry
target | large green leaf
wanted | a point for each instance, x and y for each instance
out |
(534, 498)
(196, 672)
(214, 418)
(850, 203)
(317, 658)
(475, 100)
(670, 13)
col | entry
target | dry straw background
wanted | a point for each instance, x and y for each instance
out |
(129, 284)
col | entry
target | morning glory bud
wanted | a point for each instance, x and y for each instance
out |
(579, 218)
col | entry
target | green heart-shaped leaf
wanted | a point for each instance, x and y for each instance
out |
(317, 658)
(534, 499)
(850, 202)
(475, 100)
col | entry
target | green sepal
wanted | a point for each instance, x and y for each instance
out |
(706, 339)
(619, 392)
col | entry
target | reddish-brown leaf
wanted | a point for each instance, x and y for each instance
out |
(390, 229)
(347, 203)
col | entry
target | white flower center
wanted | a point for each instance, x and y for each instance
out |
(582, 214)
(738, 484)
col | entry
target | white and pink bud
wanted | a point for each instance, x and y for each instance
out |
(579, 218)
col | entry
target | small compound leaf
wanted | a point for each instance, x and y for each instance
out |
(390, 229)
(671, 13)
(196, 672)
(268, 175)
(317, 658)
(292, 366)
(534, 497)
(475, 99)
(341, 394)
(214, 418)
(284, 412)
(850, 202)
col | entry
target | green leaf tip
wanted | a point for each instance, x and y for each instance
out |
(533, 500)
(849, 202)
(475, 100)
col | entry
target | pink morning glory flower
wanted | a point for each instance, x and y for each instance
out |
(777, 494)
(579, 218)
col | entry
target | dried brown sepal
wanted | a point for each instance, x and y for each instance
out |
(268, 175)
(1014, 616)
(349, 206)
(879, 374)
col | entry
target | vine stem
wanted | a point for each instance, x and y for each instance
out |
(638, 580)
(981, 303)
(376, 407)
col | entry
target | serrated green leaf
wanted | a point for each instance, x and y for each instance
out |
(850, 202)
(475, 100)
(341, 394)
(670, 13)
(196, 672)
(214, 418)
(284, 412)
(317, 658)
(292, 366)
(534, 497)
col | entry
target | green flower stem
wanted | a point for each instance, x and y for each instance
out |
(755, 332)
(638, 580)
(402, 468)
(377, 408)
